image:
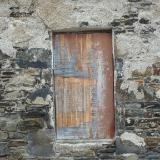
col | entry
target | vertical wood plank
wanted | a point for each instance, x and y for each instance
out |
(84, 85)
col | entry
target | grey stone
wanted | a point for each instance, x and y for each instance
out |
(15, 156)
(27, 58)
(30, 124)
(4, 150)
(41, 143)
(128, 156)
(3, 135)
(16, 135)
(11, 126)
(127, 147)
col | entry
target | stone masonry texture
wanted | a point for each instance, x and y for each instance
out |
(27, 130)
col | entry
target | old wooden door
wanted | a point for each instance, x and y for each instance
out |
(83, 83)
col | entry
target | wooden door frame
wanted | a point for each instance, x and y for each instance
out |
(85, 30)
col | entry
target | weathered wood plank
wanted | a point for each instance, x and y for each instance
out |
(84, 85)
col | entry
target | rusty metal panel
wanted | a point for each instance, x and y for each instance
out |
(83, 76)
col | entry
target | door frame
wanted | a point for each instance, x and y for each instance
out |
(84, 30)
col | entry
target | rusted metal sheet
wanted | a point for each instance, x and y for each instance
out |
(83, 75)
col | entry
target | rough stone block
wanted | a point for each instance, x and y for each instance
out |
(16, 135)
(3, 135)
(15, 156)
(30, 124)
(40, 96)
(34, 58)
(40, 143)
(130, 143)
(11, 126)
(128, 156)
(17, 143)
(144, 21)
(4, 150)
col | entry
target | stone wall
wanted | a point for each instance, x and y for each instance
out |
(26, 98)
